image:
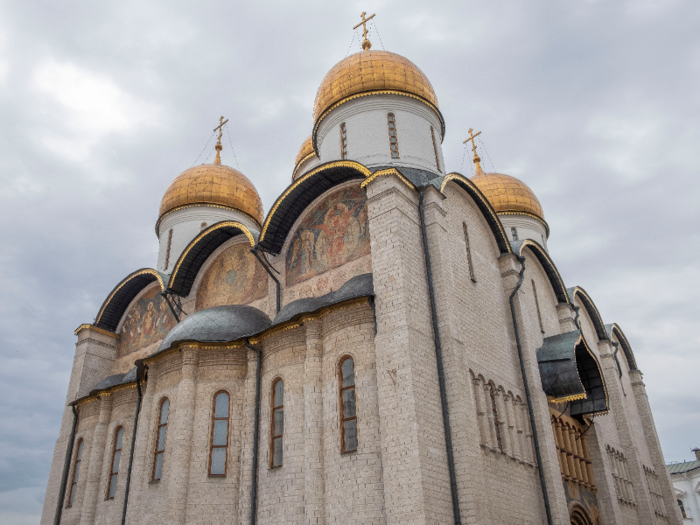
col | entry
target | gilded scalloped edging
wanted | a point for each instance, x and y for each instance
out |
(126, 280)
(87, 326)
(339, 164)
(388, 171)
(378, 92)
(203, 205)
(540, 219)
(296, 168)
(566, 399)
(193, 243)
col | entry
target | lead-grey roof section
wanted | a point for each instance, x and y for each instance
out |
(358, 286)
(567, 368)
(220, 324)
(680, 468)
(114, 380)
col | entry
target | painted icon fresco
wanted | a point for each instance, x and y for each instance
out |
(332, 234)
(147, 322)
(235, 277)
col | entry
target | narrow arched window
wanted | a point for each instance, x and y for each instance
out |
(76, 473)
(116, 457)
(343, 141)
(496, 422)
(219, 435)
(167, 252)
(682, 507)
(514, 233)
(393, 139)
(159, 453)
(537, 306)
(202, 226)
(277, 424)
(348, 412)
(469, 252)
(435, 148)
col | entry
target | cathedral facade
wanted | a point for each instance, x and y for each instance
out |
(391, 344)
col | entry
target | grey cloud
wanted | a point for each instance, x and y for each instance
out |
(593, 104)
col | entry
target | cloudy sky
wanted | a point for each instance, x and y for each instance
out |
(593, 103)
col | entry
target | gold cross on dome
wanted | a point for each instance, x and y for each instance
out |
(366, 44)
(472, 136)
(220, 128)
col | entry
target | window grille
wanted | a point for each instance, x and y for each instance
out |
(159, 454)
(116, 457)
(435, 149)
(219, 435)
(277, 425)
(343, 141)
(393, 139)
(348, 410)
(76, 473)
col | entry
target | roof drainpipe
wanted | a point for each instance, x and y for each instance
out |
(256, 437)
(139, 376)
(254, 251)
(530, 410)
(66, 468)
(440, 367)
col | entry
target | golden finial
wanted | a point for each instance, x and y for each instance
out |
(220, 127)
(477, 160)
(366, 44)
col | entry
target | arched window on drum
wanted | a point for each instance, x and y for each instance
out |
(348, 412)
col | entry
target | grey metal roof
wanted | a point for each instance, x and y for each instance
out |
(220, 324)
(680, 468)
(115, 380)
(358, 286)
(569, 369)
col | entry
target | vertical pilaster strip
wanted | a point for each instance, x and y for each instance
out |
(654, 446)
(246, 438)
(314, 506)
(97, 454)
(180, 437)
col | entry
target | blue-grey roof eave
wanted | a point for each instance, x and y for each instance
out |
(114, 380)
(681, 468)
(256, 321)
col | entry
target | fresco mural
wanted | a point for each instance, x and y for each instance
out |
(148, 321)
(235, 277)
(333, 233)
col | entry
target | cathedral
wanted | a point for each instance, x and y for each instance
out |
(390, 344)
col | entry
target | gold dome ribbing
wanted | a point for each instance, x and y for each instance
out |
(508, 194)
(369, 71)
(213, 184)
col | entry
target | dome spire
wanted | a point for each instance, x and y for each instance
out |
(477, 160)
(366, 44)
(218, 147)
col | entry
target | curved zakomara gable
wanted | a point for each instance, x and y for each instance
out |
(579, 293)
(121, 296)
(198, 251)
(484, 206)
(300, 194)
(614, 329)
(549, 267)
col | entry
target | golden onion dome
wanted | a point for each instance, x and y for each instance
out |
(369, 72)
(508, 194)
(213, 184)
(305, 152)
